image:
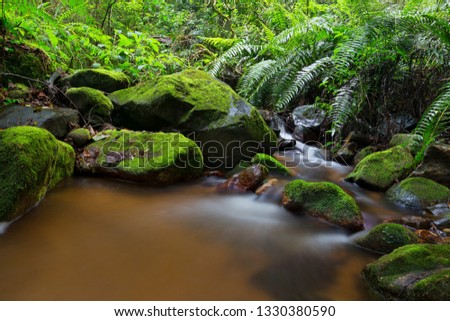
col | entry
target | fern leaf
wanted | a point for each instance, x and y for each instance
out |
(343, 106)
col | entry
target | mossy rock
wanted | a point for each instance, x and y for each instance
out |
(381, 170)
(101, 79)
(411, 142)
(363, 153)
(273, 165)
(418, 192)
(92, 104)
(153, 158)
(80, 136)
(324, 200)
(226, 127)
(32, 162)
(18, 91)
(386, 237)
(238, 168)
(24, 60)
(412, 272)
(436, 164)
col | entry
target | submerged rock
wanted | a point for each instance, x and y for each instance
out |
(418, 192)
(324, 200)
(101, 79)
(226, 127)
(56, 120)
(412, 272)
(248, 179)
(273, 165)
(411, 142)
(95, 107)
(32, 162)
(153, 158)
(386, 237)
(436, 164)
(380, 170)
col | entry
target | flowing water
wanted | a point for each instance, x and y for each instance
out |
(98, 239)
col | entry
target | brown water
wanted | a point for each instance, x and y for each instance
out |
(97, 239)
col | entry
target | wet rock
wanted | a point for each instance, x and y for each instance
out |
(325, 200)
(307, 121)
(346, 154)
(418, 192)
(416, 222)
(205, 109)
(266, 186)
(79, 137)
(153, 158)
(363, 153)
(32, 162)
(285, 144)
(95, 107)
(55, 120)
(412, 272)
(247, 180)
(436, 164)
(411, 142)
(273, 165)
(101, 79)
(387, 237)
(381, 170)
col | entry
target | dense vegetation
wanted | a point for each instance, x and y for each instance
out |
(365, 60)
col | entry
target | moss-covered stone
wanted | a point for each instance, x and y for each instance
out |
(18, 91)
(24, 60)
(238, 168)
(418, 192)
(80, 136)
(412, 272)
(436, 164)
(325, 200)
(101, 79)
(385, 238)
(32, 162)
(226, 127)
(273, 165)
(153, 158)
(363, 153)
(411, 142)
(92, 103)
(381, 170)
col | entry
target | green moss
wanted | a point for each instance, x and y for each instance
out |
(380, 170)
(323, 199)
(80, 136)
(92, 103)
(32, 162)
(154, 158)
(363, 153)
(418, 192)
(386, 237)
(411, 272)
(101, 79)
(274, 165)
(409, 141)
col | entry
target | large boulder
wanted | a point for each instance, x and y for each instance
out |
(418, 192)
(55, 120)
(380, 170)
(386, 237)
(154, 158)
(226, 127)
(412, 272)
(32, 162)
(101, 79)
(324, 200)
(95, 107)
(436, 164)
(307, 120)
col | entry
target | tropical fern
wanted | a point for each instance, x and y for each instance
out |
(343, 106)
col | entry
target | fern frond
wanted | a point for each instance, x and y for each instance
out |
(436, 119)
(343, 106)
(304, 77)
(219, 43)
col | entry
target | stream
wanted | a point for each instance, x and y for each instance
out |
(102, 239)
